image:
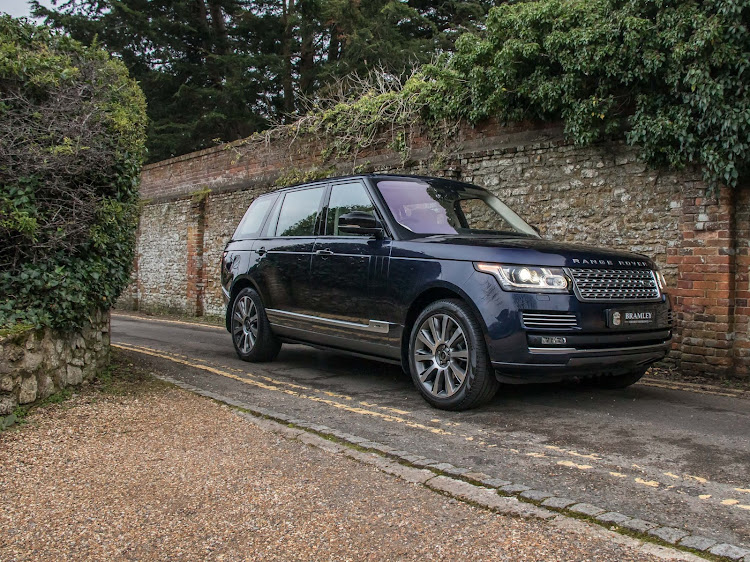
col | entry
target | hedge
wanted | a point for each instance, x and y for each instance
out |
(72, 125)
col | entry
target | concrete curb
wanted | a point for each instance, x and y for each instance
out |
(700, 388)
(500, 496)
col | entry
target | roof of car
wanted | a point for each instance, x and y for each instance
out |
(361, 176)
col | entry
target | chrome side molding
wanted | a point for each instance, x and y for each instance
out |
(374, 326)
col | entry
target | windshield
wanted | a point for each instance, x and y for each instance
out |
(426, 206)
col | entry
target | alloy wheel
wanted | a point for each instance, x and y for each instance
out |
(441, 355)
(245, 324)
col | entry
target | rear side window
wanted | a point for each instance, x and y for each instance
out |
(299, 212)
(252, 222)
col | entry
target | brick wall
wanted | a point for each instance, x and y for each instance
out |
(601, 195)
(741, 297)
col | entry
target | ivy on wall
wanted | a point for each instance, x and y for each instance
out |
(670, 76)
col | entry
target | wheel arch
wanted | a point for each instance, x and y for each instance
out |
(237, 286)
(429, 295)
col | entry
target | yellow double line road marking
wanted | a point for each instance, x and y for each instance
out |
(274, 385)
(167, 321)
(646, 381)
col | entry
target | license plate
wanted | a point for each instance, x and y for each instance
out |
(620, 318)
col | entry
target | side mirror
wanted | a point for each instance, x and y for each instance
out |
(359, 222)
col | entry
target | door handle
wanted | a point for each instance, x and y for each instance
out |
(261, 251)
(325, 252)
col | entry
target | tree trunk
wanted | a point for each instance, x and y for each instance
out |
(333, 46)
(220, 27)
(203, 28)
(307, 62)
(287, 80)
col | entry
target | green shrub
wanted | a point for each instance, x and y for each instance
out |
(73, 129)
(672, 75)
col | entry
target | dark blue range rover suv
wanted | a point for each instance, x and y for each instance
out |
(442, 278)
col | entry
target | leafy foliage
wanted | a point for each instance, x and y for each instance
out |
(73, 125)
(293, 176)
(669, 75)
(198, 63)
(673, 74)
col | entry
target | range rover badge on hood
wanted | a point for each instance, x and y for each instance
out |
(624, 263)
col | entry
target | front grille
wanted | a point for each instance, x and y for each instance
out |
(603, 285)
(549, 320)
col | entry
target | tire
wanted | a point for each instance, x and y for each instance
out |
(623, 380)
(251, 333)
(438, 354)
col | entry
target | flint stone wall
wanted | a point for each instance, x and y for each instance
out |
(39, 363)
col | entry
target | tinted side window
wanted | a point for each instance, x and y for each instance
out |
(299, 212)
(345, 198)
(253, 220)
(273, 218)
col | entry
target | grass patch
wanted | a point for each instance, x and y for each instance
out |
(122, 377)
(14, 330)
(19, 415)
(119, 379)
(56, 398)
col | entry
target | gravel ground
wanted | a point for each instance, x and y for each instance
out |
(162, 474)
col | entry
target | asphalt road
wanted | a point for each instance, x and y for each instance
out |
(675, 457)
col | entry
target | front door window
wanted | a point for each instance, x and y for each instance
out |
(346, 198)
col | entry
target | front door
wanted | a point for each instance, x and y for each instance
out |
(349, 272)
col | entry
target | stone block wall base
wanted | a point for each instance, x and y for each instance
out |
(39, 363)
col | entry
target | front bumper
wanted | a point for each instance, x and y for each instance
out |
(566, 363)
(585, 346)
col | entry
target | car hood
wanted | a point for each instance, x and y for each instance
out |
(515, 250)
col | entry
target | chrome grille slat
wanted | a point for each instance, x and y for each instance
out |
(549, 320)
(602, 285)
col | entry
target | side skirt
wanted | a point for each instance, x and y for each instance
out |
(343, 351)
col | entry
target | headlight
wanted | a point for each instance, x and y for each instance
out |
(527, 278)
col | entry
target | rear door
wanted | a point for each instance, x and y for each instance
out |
(284, 253)
(238, 259)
